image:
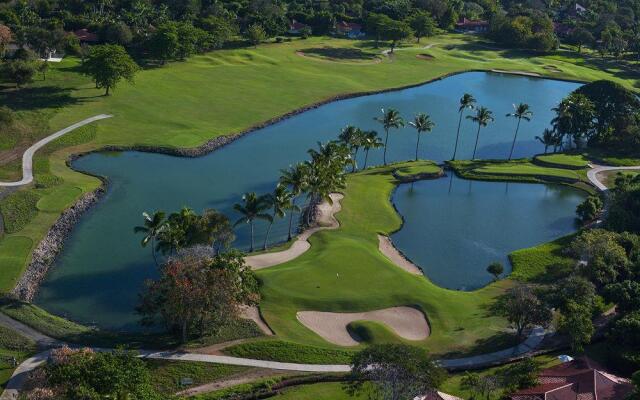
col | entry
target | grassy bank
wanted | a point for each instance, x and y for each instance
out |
(13, 346)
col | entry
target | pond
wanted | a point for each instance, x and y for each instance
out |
(454, 228)
(97, 277)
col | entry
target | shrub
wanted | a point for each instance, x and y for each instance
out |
(18, 209)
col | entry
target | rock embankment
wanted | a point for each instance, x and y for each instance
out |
(49, 247)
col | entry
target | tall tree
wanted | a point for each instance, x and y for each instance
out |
(467, 102)
(296, 178)
(548, 138)
(390, 119)
(522, 308)
(483, 117)
(520, 112)
(353, 138)
(575, 117)
(422, 25)
(154, 225)
(256, 34)
(109, 64)
(371, 141)
(252, 208)
(397, 371)
(280, 200)
(422, 123)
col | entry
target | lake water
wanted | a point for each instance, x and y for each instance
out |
(454, 228)
(97, 277)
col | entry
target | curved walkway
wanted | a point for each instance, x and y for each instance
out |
(592, 174)
(326, 220)
(27, 157)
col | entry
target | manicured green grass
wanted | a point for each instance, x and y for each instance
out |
(12, 345)
(166, 375)
(185, 104)
(563, 160)
(418, 170)
(320, 391)
(13, 253)
(370, 332)
(609, 179)
(278, 350)
(344, 272)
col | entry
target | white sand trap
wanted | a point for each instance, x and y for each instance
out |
(253, 314)
(387, 248)
(326, 220)
(407, 322)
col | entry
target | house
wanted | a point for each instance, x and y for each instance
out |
(349, 29)
(472, 26)
(576, 380)
(576, 10)
(84, 36)
(296, 28)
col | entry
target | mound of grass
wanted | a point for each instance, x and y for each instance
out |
(370, 332)
(543, 263)
(418, 170)
(321, 391)
(166, 375)
(563, 160)
(279, 350)
(338, 54)
(18, 209)
(59, 199)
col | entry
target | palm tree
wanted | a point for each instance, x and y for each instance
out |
(422, 123)
(520, 112)
(352, 137)
(251, 210)
(467, 101)
(280, 200)
(296, 179)
(548, 138)
(390, 119)
(153, 226)
(483, 117)
(371, 141)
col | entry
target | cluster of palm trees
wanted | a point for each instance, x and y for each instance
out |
(316, 178)
(185, 228)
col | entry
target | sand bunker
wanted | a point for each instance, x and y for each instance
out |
(425, 56)
(326, 220)
(387, 248)
(407, 322)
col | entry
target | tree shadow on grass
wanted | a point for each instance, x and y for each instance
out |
(340, 53)
(497, 342)
(33, 98)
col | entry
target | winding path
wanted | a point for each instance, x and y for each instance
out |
(27, 157)
(592, 174)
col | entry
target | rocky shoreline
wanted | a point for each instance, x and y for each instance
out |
(45, 253)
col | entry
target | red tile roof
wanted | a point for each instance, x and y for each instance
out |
(295, 25)
(580, 379)
(348, 26)
(85, 36)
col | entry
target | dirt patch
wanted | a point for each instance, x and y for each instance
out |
(253, 313)
(387, 248)
(407, 322)
(325, 220)
(552, 68)
(425, 56)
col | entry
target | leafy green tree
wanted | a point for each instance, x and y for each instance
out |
(581, 37)
(19, 71)
(521, 375)
(603, 259)
(522, 308)
(84, 374)
(395, 31)
(197, 290)
(481, 386)
(280, 200)
(423, 25)
(374, 24)
(575, 117)
(483, 117)
(625, 294)
(154, 225)
(252, 208)
(216, 230)
(520, 112)
(371, 141)
(165, 42)
(626, 330)
(422, 123)
(397, 371)
(496, 269)
(390, 119)
(635, 379)
(109, 64)
(467, 102)
(589, 209)
(221, 29)
(256, 34)
(353, 138)
(575, 322)
(296, 179)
